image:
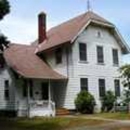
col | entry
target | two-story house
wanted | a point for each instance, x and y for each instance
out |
(83, 53)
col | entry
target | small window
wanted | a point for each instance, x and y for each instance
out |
(100, 56)
(102, 87)
(117, 88)
(2, 61)
(58, 56)
(6, 83)
(84, 84)
(83, 52)
(115, 56)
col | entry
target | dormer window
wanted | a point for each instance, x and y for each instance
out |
(58, 56)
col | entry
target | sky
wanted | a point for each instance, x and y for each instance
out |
(20, 25)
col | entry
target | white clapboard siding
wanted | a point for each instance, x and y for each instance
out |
(90, 69)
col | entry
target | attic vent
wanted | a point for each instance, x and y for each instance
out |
(98, 34)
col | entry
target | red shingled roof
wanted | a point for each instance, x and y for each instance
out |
(65, 32)
(25, 62)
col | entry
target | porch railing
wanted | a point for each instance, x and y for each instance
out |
(38, 105)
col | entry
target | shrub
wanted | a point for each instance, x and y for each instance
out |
(85, 102)
(108, 101)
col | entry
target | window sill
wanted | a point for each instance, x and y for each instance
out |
(100, 63)
(116, 65)
(83, 62)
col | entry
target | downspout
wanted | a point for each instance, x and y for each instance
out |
(49, 93)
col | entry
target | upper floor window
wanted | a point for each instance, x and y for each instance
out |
(117, 88)
(6, 91)
(58, 55)
(84, 84)
(102, 89)
(115, 56)
(100, 56)
(83, 52)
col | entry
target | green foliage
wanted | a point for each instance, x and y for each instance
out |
(85, 102)
(125, 74)
(4, 8)
(108, 101)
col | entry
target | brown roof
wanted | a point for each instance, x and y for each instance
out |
(66, 31)
(25, 62)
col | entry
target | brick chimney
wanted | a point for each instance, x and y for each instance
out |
(41, 27)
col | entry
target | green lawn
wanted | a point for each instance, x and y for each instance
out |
(59, 123)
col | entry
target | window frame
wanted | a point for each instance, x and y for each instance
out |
(6, 90)
(115, 58)
(117, 87)
(58, 55)
(100, 55)
(84, 86)
(102, 88)
(82, 53)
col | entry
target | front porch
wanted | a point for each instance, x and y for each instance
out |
(39, 97)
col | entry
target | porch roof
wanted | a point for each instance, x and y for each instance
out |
(23, 60)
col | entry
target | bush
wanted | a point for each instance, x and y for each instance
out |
(85, 102)
(108, 101)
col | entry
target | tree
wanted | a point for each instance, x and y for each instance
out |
(85, 102)
(125, 74)
(108, 101)
(4, 8)
(4, 43)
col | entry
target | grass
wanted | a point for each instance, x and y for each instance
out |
(47, 123)
(118, 115)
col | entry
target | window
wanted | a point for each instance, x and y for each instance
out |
(84, 84)
(83, 52)
(24, 88)
(58, 56)
(117, 88)
(115, 56)
(31, 88)
(2, 61)
(102, 87)
(6, 83)
(100, 57)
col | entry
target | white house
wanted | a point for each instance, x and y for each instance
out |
(83, 53)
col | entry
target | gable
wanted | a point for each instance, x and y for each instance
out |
(70, 30)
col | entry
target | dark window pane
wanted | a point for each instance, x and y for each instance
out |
(58, 56)
(24, 88)
(101, 87)
(117, 88)
(100, 57)
(82, 51)
(115, 56)
(31, 88)
(6, 92)
(84, 84)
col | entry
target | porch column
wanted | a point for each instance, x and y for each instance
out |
(28, 98)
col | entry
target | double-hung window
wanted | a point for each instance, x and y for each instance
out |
(82, 52)
(102, 89)
(100, 56)
(84, 84)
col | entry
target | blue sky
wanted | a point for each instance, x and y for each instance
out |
(20, 26)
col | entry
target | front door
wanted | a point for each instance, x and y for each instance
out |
(44, 91)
